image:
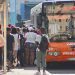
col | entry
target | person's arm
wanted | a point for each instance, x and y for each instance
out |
(48, 38)
(1, 41)
(13, 43)
(19, 38)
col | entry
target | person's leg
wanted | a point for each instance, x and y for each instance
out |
(32, 53)
(22, 58)
(27, 56)
(0, 62)
(9, 59)
(43, 60)
(38, 59)
(31, 57)
(15, 58)
(27, 53)
(18, 58)
(1, 53)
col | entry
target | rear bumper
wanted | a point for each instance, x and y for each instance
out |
(60, 59)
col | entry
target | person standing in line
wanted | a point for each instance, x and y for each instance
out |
(41, 50)
(16, 46)
(10, 48)
(20, 54)
(0, 29)
(24, 31)
(37, 41)
(38, 37)
(1, 49)
(30, 46)
(19, 50)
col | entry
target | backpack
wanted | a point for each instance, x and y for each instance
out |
(43, 46)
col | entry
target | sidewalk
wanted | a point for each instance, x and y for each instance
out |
(27, 71)
(33, 71)
(1, 72)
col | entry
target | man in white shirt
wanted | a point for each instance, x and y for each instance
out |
(30, 46)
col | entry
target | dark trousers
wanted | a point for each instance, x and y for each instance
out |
(1, 53)
(20, 56)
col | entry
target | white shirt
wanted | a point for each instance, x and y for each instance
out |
(30, 37)
(38, 38)
(46, 37)
(16, 41)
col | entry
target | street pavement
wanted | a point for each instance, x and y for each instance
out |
(33, 71)
(27, 71)
(1, 72)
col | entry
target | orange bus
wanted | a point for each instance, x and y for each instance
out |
(58, 18)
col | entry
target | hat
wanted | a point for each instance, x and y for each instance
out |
(9, 25)
(30, 28)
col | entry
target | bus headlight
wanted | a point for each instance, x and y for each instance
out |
(50, 53)
(50, 48)
(54, 53)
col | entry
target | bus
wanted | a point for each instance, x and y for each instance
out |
(58, 18)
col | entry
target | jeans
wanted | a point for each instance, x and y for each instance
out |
(40, 57)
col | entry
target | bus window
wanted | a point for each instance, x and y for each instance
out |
(56, 13)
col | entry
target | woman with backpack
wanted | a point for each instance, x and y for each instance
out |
(41, 50)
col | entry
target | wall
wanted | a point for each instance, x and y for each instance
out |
(13, 12)
(27, 10)
(22, 11)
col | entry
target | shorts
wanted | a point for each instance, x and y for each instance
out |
(30, 46)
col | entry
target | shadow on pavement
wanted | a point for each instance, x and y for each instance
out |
(37, 73)
(62, 71)
(61, 68)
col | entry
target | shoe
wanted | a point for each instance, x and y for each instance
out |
(8, 68)
(18, 65)
(39, 69)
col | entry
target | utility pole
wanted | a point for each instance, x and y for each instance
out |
(5, 23)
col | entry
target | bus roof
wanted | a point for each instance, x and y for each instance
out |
(38, 8)
(57, 0)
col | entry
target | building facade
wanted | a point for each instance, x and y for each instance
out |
(28, 5)
(21, 8)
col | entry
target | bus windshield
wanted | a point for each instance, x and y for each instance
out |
(62, 38)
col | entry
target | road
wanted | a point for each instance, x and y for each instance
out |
(62, 72)
(62, 69)
(33, 71)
